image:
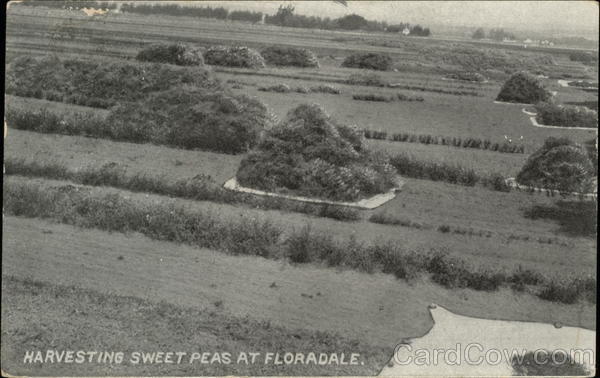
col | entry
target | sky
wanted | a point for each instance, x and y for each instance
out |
(558, 15)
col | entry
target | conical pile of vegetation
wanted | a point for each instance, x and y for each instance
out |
(98, 83)
(174, 53)
(192, 117)
(559, 165)
(371, 61)
(309, 154)
(234, 56)
(290, 56)
(525, 88)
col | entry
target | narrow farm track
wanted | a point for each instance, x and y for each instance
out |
(375, 308)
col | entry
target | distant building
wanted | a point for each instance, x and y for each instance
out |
(406, 31)
(508, 40)
(528, 41)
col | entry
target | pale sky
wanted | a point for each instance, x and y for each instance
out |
(558, 15)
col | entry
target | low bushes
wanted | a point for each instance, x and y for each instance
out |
(409, 166)
(98, 83)
(383, 98)
(385, 218)
(523, 87)
(183, 117)
(279, 88)
(289, 56)
(435, 90)
(284, 88)
(372, 97)
(566, 115)
(369, 79)
(234, 56)
(403, 97)
(81, 207)
(199, 187)
(174, 53)
(483, 144)
(325, 88)
(309, 154)
(371, 61)
(583, 84)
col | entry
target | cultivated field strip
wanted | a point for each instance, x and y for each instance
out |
(484, 253)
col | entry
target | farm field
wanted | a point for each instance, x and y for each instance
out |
(79, 275)
(184, 277)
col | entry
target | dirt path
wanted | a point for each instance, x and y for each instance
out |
(373, 307)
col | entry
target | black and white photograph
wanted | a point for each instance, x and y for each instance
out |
(300, 188)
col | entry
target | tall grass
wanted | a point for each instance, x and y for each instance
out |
(167, 221)
(199, 187)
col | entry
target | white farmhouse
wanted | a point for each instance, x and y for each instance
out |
(406, 31)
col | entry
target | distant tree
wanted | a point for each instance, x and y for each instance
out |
(352, 22)
(420, 31)
(284, 15)
(478, 34)
(500, 34)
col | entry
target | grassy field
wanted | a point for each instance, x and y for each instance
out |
(189, 283)
(84, 287)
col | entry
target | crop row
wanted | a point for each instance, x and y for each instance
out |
(170, 222)
(478, 143)
(200, 187)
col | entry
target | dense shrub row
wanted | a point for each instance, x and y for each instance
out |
(167, 221)
(566, 115)
(233, 56)
(199, 187)
(483, 144)
(524, 88)
(184, 117)
(284, 88)
(408, 166)
(583, 84)
(436, 90)
(176, 10)
(98, 83)
(371, 97)
(371, 61)
(367, 79)
(310, 154)
(289, 56)
(584, 57)
(175, 53)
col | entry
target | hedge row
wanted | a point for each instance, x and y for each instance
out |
(483, 144)
(409, 166)
(199, 188)
(167, 221)
(566, 115)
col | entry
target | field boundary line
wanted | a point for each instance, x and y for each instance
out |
(367, 203)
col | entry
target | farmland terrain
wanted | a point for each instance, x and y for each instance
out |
(75, 277)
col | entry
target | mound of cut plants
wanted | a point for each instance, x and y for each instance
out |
(371, 61)
(289, 56)
(174, 53)
(192, 118)
(522, 87)
(310, 154)
(234, 56)
(560, 164)
(98, 83)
